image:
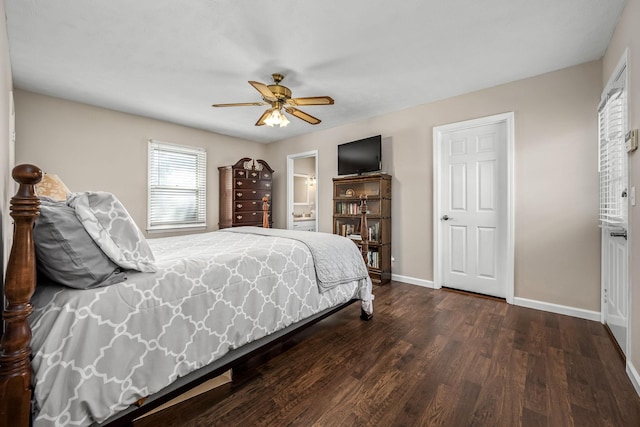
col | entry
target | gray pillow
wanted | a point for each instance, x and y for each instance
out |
(66, 254)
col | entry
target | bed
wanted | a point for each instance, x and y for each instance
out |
(189, 308)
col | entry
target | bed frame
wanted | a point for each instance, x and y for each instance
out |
(20, 284)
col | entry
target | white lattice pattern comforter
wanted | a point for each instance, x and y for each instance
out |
(97, 351)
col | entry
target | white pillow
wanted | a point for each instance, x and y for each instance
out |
(112, 228)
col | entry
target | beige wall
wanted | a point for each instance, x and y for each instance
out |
(305, 165)
(94, 148)
(557, 239)
(556, 203)
(6, 147)
(627, 36)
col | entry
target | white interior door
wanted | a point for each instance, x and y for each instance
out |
(616, 290)
(474, 209)
(614, 180)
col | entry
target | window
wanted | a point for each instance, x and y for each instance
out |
(177, 187)
(612, 123)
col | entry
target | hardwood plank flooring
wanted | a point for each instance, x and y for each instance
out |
(428, 358)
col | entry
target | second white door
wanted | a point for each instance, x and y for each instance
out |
(473, 208)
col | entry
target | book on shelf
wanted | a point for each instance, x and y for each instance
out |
(374, 232)
(373, 259)
(348, 208)
(355, 237)
(347, 230)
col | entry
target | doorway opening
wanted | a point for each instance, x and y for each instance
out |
(302, 191)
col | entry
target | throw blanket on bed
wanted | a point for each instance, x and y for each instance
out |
(337, 259)
(97, 351)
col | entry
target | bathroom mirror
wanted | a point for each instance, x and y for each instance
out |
(300, 189)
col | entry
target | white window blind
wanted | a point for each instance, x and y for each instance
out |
(176, 186)
(612, 116)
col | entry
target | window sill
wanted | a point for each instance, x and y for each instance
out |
(170, 228)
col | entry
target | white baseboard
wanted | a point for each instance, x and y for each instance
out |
(557, 308)
(523, 302)
(412, 281)
(633, 376)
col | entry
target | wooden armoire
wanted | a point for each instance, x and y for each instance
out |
(242, 187)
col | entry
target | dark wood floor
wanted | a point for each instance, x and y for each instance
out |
(427, 358)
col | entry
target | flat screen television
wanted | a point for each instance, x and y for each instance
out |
(361, 156)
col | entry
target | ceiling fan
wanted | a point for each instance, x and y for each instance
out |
(279, 97)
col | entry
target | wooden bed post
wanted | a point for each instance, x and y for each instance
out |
(364, 244)
(364, 229)
(265, 212)
(19, 285)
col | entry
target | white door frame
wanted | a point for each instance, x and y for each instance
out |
(438, 132)
(290, 159)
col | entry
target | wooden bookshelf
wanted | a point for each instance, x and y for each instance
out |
(347, 192)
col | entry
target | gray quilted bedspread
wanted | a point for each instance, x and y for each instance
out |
(337, 259)
(97, 351)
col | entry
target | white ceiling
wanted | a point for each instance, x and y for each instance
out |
(171, 59)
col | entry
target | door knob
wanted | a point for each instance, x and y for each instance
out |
(446, 217)
(622, 233)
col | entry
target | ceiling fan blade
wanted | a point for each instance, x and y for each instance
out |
(264, 91)
(302, 115)
(241, 104)
(263, 117)
(312, 100)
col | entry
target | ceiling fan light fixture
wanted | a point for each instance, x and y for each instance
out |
(285, 121)
(276, 118)
(279, 97)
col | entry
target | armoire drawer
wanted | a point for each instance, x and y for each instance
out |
(260, 184)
